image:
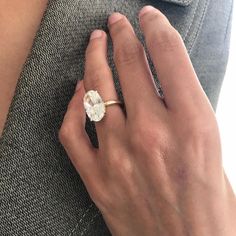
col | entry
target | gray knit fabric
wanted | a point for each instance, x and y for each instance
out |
(40, 191)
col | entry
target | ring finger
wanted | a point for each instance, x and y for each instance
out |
(98, 76)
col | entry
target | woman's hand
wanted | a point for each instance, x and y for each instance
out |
(158, 169)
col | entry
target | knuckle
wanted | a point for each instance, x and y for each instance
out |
(124, 166)
(152, 137)
(152, 144)
(128, 52)
(120, 161)
(145, 137)
(64, 133)
(114, 157)
(166, 39)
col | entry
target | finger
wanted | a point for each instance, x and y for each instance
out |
(98, 76)
(74, 138)
(134, 73)
(178, 79)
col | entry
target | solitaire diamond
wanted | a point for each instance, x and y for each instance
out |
(94, 106)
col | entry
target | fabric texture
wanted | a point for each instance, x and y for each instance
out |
(40, 191)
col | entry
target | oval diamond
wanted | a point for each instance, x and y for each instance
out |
(94, 106)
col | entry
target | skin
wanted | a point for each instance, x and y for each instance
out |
(19, 22)
(158, 169)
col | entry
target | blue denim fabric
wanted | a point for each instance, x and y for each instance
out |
(40, 191)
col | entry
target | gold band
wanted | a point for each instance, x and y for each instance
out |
(112, 102)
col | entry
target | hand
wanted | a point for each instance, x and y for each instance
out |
(158, 169)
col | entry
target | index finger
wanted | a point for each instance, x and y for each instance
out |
(175, 71)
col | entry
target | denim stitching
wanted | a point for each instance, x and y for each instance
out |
(182, 2)
(192, 18)
(199, 26)
(228, 21)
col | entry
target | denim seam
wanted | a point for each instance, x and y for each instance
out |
(184, 1)
(228, 21)
(192, 18)
(181, 2)
(192, 42)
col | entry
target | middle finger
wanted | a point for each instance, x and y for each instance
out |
(135, 76)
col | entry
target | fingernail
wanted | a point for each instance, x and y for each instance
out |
(96, 34)
(78, 85)
(114, 18)
(145, 10)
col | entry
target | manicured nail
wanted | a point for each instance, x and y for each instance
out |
(114, 18)
(96, 34)
(145, 10)
(78, 85)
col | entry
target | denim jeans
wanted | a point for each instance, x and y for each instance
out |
(40, 191)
